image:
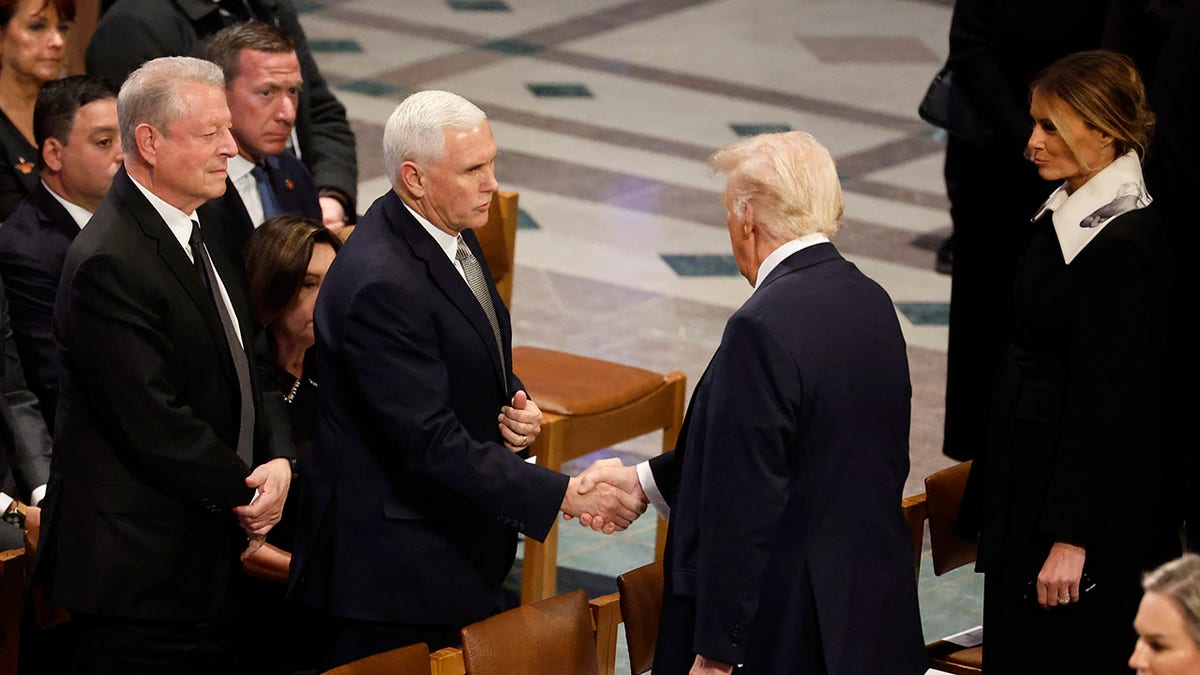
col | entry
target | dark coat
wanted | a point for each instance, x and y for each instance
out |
(137, 519)
(24, 443)
(33, 245)
(786, 543)
(411, 504)
(18, 167)
(135, 31)
(1077, 451)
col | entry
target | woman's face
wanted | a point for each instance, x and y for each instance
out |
(33, 42)
(1048, 149)
(295, 324)
(1164, 646)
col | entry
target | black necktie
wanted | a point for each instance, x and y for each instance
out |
(241, 365)
(478, 285)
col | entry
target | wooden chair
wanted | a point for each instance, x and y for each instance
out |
(915, 514)
(12, 586)
(587, 404)
(410, 660)
(641, 593)
(943, 495)
(547, 637)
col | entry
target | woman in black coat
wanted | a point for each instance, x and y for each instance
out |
(1072, 499)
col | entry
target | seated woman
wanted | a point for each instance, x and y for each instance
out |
(286, 260)
(1168, 620)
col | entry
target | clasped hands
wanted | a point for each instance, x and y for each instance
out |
(271, 480)
(606, 497)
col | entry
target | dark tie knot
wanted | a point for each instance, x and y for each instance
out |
(195, 239)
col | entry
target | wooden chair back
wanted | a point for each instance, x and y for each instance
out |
(943, 495)
(641, 592)
(915, 514)
(410, 660)
(547, 637)
(498, 239)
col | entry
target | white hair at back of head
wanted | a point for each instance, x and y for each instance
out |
(790, 180)
(414, 131)
(150, 95)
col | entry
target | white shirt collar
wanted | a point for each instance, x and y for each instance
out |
(80, 215)
(238, 167)
(177, 221)
(1079, 216)
(445, 241)
(780, 254)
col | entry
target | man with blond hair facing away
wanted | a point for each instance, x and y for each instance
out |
(787, 551)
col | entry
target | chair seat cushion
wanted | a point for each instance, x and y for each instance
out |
(569, 384)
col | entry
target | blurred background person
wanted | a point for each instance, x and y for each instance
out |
(995, 48)
(75, 125)
(1168, 620)
(1071, 500)
(286, 261)
(33, 44)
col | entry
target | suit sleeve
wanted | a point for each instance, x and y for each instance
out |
(118, 349)
(392, 352)
(976, 70)
(26, 437)
(749, 425)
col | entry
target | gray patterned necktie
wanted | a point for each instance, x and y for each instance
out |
(478, 284)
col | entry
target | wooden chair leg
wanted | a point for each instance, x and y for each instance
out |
(539, 575)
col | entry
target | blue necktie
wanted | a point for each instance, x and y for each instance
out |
(265, 192)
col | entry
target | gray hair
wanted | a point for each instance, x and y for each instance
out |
(789, 178)
(1179, 580)
(414, 131)
(150, 94)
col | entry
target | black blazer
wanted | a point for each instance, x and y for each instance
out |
(33, 245)
(18, 167)
(786, 482)
(137, 521)
(294, 190)
(24, 442)
(411, 505)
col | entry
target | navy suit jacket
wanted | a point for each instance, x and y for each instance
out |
(33, 245)
(785, 486)
(294, 190)
(137, 518)
(411, 504)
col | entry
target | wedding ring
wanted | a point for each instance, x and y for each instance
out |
(524, 440)
(1064, 601)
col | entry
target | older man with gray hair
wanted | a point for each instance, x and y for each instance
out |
(787, 552)
(415, 491)
(151, 475)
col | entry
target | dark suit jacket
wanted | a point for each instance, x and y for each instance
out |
(411, 505)
(33, 245)
(18, 167)
(294, 190)
(135, 31)
(137, 520)
(24, 442)
(786, 533)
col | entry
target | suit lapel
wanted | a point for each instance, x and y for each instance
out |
(53, 215)
(447, 278)
(181, 267)
(805, 257)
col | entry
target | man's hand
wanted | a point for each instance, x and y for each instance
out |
(703, 666)
(520, 423)
(33, 517)
(333, 214)
(612, 472)
(616, 507)
(272, 481)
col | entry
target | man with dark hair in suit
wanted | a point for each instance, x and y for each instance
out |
(415, 492)
(151, 495)
(75, 126)
(134, 31)
(787, 551)
(263, 85)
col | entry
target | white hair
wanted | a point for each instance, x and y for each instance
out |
(150, 95)
(414, 131)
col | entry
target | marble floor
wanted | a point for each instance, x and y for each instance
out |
(605, 112)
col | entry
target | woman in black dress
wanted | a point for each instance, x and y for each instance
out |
(1073, 499)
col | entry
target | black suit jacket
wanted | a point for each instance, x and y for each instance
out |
(294, 190)
(786, 533)
(33, 245)
(135, 31)
(24, 442)
(137, 519)
(411, 505)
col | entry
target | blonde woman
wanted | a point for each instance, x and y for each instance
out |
(1168, 620)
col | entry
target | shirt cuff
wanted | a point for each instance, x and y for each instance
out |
(5, 502)
(646, 478)
(38, 494)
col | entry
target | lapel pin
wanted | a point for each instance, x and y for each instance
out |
(289, 184)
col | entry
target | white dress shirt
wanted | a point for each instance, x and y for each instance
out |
(445, 241)
(239, 169)
(80, 215)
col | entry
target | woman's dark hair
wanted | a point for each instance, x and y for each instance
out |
(1105, 90)
(65, 9)
(277, 257)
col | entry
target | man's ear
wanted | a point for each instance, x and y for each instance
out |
(410, 176)
(147, 138)
(52, 154)
(749, 221)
